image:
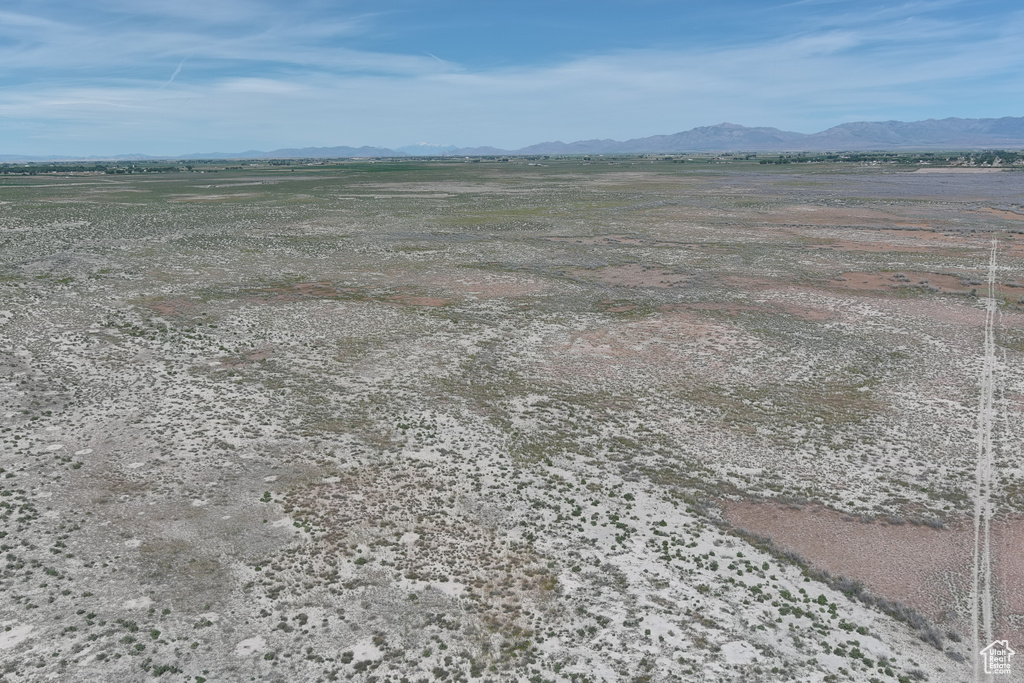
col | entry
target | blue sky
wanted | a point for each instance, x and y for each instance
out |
(168, 77)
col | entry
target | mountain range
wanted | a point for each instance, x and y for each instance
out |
(932, 134)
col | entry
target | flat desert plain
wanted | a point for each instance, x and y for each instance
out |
(625, 420)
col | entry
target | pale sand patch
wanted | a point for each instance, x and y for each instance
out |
(805, 311)
(488, 285)
(17, 634)
(212, 197)
(665, 347)
(138, 603)
(250, 646)
(739, 652)
(940, 311)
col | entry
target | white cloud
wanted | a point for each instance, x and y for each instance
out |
(273, 86)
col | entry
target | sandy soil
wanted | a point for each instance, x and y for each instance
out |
(359, 430)
(634, 275)
(599, 239)
(486, 285)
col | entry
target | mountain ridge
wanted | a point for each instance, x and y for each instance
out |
(931, 134)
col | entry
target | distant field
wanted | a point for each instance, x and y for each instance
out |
(553, 420)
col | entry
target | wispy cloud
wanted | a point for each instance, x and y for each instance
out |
(261, 76)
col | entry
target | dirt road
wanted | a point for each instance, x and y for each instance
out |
(981, 588)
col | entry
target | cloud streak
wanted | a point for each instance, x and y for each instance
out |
(175, 74)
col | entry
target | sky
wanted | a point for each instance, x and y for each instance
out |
(173, 77)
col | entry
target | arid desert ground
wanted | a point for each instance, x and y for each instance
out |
(565, 420)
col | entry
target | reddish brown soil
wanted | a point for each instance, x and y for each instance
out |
(1010, 215)
(947, 284)
(743, 282)
(1008, 574)
(248, 358)
(889, 281)
(306, 290)
(807, 312)
(925, 568)
(172, 306)
(621, 308)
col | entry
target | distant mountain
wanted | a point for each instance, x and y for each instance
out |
(301, 153)
(12, 158)
(723, 137)
(481, 152)
(426, 149)
(883, 135)
(933, 134)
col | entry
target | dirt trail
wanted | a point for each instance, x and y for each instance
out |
(981, 588)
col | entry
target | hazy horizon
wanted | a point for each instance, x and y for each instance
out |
(965, 135)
